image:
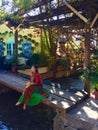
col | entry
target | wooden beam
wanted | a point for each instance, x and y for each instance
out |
(76, 12)
(94, 20)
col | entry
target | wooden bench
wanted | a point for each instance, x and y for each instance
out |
(59, 99)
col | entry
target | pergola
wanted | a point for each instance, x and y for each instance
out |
(68, 13)
(65, 15)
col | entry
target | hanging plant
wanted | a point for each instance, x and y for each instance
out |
(29, 39)
(32, 48)
(20, 36)
(10, 32)
(25, 37)
(20, 41)
(6, 32)
(30, 35)
(20, 49)
(4, 49)
(33, 41)
(3, 43)
(36, 43)
(1, 39)
(21, 54)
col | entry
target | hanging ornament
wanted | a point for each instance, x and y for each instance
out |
(62, 39)
(38, 32)
(74, 56)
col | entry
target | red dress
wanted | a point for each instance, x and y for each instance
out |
(35, 78)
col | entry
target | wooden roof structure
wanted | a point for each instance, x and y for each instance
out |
(65, 13)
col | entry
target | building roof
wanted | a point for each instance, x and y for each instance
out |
(4, 28)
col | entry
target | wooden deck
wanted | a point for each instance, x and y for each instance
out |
(59, 99)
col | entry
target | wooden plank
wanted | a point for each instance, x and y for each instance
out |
(74, 97)
(45, 101)
(60, 98)
(13, 80)
(18, 82)
(62, 102)
(6, 84)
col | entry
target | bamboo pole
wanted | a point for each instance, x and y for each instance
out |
(76, 12)
(94, 20)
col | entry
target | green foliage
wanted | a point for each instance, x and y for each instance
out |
(64, 63)
(11, 61)
(23, 4)
(3, 14)
(92, 75)
(39, 59)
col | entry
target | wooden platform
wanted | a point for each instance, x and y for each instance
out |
(59, 99)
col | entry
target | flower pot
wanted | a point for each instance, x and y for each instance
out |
(96, 94)
(14, 69)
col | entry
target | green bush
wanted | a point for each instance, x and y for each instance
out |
(39, 59)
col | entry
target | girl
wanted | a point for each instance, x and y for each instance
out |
(33, 92)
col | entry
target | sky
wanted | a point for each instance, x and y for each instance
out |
(7, 5)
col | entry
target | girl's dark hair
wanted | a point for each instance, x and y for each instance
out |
(36, 68)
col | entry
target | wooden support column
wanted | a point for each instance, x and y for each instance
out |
(16, 43)
(87, 47)
(87, 58)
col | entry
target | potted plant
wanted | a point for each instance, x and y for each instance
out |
(14, 62)
(11, 63)
(7, 64)
(65, 64)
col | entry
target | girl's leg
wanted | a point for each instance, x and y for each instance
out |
(24, 106)
(18, 103)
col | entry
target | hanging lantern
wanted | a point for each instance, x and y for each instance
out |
(74, 56)
(72, 64)
(62, 39)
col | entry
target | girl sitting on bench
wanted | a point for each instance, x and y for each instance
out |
(33, 92)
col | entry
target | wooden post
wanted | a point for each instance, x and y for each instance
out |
(16, 43)
(87, 58)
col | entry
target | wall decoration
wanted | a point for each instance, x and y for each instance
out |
(26, 49)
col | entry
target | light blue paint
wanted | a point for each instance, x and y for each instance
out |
(10, 48)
